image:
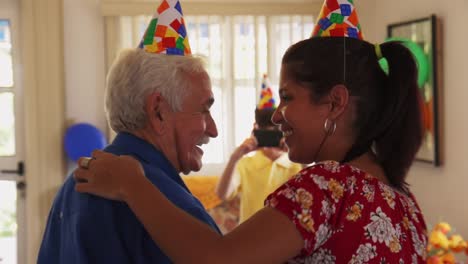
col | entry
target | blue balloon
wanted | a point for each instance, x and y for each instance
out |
(81, 139)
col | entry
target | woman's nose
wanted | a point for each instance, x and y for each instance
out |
(277, 116)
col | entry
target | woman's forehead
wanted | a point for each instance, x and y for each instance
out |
(285, 77)
(286, 85)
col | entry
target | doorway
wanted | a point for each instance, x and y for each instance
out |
(12, 183)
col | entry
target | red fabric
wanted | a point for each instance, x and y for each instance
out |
(347, 216)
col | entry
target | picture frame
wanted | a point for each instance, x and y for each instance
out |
(421, 37)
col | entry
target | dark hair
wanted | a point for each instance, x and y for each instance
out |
(388, 117)
(263, 117)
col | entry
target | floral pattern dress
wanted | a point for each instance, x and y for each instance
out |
(348, 216)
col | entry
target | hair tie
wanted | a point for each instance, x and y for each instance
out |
(378, 51)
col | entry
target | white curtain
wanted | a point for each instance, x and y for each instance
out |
(44, 93)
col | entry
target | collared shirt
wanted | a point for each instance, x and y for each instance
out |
(257, 176)
(84, 228)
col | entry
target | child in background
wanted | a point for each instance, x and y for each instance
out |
(256, 176)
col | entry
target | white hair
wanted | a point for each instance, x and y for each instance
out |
(135, 74)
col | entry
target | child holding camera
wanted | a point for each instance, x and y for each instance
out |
(259, 174)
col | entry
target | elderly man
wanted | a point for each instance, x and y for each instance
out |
(160, 107)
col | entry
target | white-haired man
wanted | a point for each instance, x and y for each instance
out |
(160, 107)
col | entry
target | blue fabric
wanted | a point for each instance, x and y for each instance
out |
(84, 228)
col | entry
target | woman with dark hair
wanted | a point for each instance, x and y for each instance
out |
(361, 129)
(383, 119)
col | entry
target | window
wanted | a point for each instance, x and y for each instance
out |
(7, 118)
(239, 50)
(8, 223)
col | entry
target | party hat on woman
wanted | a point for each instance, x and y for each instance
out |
(338, 18)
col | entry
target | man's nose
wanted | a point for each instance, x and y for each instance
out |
(211, 128)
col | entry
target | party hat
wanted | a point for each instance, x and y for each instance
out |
(166, 33)
(338, 18)
(266, 96)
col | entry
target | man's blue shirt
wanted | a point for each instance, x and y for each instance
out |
(84, 228)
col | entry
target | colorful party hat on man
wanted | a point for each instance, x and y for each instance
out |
(338, 18)
(266, 96)
(166, 33)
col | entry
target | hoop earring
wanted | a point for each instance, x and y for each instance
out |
(329, 127)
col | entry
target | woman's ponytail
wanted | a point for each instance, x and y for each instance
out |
(402, 135)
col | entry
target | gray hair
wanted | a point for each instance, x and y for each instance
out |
(135, 74)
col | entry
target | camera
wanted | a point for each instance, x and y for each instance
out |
(268, 138)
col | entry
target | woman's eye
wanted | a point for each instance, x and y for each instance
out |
(285, 98)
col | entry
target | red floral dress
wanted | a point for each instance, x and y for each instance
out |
(348, 216)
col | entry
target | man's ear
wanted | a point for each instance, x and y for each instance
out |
(155, 108)
(338, 98)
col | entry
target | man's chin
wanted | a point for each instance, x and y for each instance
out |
(188, 171)
(195, 166)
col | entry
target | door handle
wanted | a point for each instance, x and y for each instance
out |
(19, 170)
(21, 186)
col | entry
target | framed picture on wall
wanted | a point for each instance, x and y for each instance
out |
(420, 36)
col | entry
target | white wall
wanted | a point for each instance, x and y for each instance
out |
(84, 62)
(442, 192)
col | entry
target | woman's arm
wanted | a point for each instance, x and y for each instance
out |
(268, 237)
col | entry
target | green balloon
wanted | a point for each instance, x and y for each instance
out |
(419, 55)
